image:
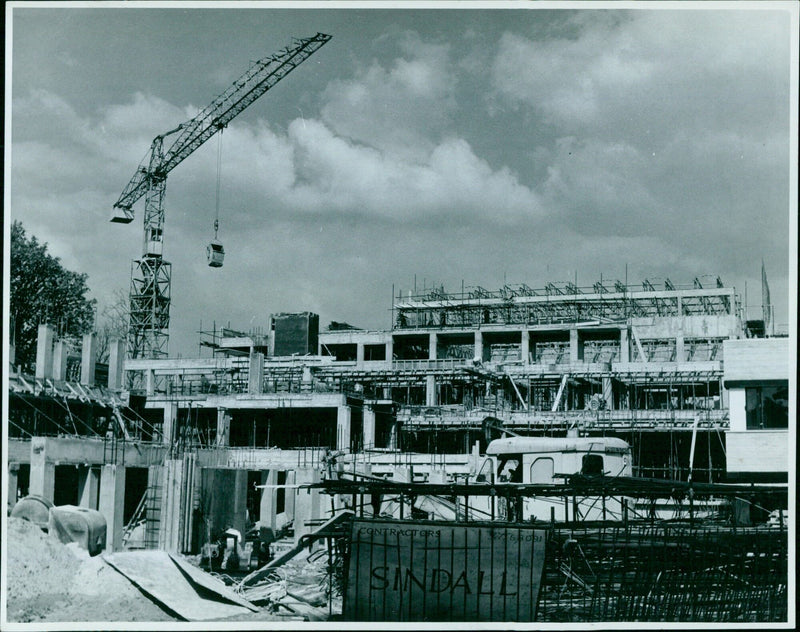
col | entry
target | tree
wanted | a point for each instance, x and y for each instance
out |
(43, 291)
(114, 324)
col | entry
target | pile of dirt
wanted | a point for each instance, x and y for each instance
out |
(39, 569)
(50, 581)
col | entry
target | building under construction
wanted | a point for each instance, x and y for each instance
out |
(263, 430)
(521, 454)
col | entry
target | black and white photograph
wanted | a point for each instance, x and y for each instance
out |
(378, 315)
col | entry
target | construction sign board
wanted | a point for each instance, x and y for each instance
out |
(443, 571)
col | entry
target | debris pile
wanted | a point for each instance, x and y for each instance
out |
(297, 590)
(49, 581)
(53, 582)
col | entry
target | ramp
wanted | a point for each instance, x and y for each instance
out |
(185, 590)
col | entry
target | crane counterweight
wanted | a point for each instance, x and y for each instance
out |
(122, 215)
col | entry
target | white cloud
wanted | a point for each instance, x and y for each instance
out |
(600, 188)
(335, 174)
(653, 70)
(402, 106)
(666, 125)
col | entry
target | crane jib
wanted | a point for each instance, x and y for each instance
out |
(241, 94)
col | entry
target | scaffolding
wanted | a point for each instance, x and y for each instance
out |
(562, 302)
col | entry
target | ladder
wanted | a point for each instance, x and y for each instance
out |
(152, 508)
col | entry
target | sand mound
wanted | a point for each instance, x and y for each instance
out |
(48, 581)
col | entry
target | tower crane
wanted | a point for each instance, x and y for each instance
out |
(149, 297)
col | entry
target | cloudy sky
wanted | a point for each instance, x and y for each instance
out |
(447, 146)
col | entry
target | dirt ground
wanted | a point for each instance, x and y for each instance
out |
(52, 582)
(49, 581)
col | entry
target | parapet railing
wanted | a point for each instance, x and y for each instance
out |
(429, 365)
(457, 415)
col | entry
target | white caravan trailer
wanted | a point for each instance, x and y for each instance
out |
(539, 460)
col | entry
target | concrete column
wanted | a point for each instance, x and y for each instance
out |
(402, 474)
(150, 382)
(269, 499)
(88, 358)
(389, 349)
(680, 348)
(479, 345)
(307, 382)
(116, 362)
(394, 436)
(44, 352)
(223, 427)
(170, 420)
(624, 346)
(255, 381)
(525, 347)
(12, 342)
(88, 486)
(272, 516)
(343, 428)
(680, 304)
(608, 393)
(575, 346)
(291, 480)
(227, 506)
(308, 504)
(433, 346)
(430, 391)
(43, 472)
(170, 511)
(723, 397)
(369, 427)
(60, 361)
(13, 484)
(240, 502)
(359, 353)
(112, 504)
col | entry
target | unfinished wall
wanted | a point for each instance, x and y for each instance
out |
(761, 455)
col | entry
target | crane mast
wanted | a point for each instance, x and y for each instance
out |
(151, 275)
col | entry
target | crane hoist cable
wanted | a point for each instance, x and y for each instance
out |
(219, 178)
(215, 252)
